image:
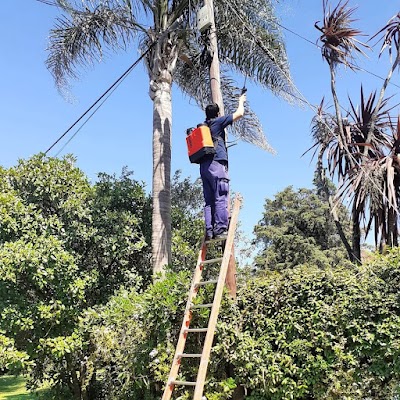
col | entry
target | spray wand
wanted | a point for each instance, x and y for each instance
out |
(244, 88)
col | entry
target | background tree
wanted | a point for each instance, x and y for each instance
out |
(297, 227)
(187, 222)
(173, 51)
(64, 246)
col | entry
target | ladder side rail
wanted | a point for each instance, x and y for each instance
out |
(202, 372)
(176, 362)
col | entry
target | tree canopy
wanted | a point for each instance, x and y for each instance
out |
(297, 227)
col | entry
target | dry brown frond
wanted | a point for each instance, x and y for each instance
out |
(391, 35)
(338, 37)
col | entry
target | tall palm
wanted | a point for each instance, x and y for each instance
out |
(366, 183)
(174, 51)
(339, 44)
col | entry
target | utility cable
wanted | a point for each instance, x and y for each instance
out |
(108, 92)
(88, 118)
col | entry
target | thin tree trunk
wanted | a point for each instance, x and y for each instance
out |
(340, 229)
(161, 191)
(378, 104)
(322, 178)
(342, 140)
(74, 384)
(356, 234)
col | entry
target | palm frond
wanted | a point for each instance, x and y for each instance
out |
(391, 35)
(81, 36)
(48, 2)
(194, 81)
(250, 42)
(338, 37)
(248, 128)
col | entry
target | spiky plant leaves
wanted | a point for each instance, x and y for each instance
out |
(391, 35)
(338, 37)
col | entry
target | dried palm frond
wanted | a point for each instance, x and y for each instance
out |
(338, 37)
(391, 35)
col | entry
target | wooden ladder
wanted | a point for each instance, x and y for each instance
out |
(197, 283)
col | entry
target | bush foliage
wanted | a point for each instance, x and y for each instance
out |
(305, 333)
(79, 312)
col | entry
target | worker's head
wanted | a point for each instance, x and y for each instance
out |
(212, 111)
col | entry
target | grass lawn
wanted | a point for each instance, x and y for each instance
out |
(13, 388)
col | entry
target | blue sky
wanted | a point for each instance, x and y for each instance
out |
(33, 114)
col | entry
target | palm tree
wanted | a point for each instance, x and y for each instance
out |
(390, 41)
(338, 45)
(363, 179)
(174, 51)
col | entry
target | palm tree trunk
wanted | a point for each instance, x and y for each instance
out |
(160, 92)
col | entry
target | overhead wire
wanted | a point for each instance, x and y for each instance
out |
(112, 88)
(114, 85)
(89, 117)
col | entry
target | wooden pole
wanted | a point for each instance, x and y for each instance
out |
(216, 94)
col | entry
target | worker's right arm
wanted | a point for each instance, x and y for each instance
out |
(240, 110)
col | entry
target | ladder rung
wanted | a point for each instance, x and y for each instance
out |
(196, 330)
(184, 383)
(209, 305)
(215, 240)
(203, 283)
(211, 261)
(188, 355)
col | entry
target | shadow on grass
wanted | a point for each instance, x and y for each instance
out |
(13, 388)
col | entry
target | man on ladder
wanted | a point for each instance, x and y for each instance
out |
(207, 147)
(214, 171)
